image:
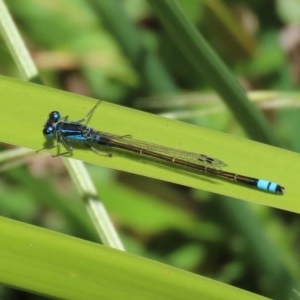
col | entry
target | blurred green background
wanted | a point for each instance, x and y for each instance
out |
(118, 51)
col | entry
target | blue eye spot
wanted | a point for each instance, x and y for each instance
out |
(54, 116)
(48, 131)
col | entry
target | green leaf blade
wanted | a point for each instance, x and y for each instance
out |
(30, 105)
(64, 267)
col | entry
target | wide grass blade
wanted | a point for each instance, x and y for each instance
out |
(64, 267)
(23, 114)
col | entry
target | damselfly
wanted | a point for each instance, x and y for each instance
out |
(71, 133)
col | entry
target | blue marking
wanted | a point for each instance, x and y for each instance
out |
(77, 138)
(266, 185)
(273, 187)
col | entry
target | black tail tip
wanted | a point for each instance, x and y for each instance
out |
(280, 189)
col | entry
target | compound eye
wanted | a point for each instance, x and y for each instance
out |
(48, 131)
(54, 116)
